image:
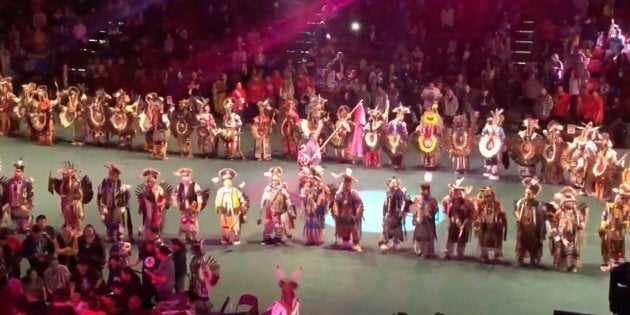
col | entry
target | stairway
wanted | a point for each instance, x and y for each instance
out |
(523, 41)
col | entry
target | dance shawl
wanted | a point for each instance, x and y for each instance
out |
(356, 147)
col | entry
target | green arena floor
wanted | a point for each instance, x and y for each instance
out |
(340, 282)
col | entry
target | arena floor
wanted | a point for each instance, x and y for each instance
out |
(340, 282)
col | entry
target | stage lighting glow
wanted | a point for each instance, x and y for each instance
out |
(355, 26)
(327, 35)
(373, 213)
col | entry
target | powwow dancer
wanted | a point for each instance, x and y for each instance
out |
(490, 224)
(568, 225)
(204, 275)
(372, 135)
(16, 199)
(231, 132)
(288, 304)
(525, 147)
(113, 202)
(74, 193)
(278, 210)
(347, 211)
(428, 134)
(460, 211)
(153, 200)
(395, 209)
(342, 136)
(206, 132)
(552, 153)
(316, 198)
(531, 224)
(491, 144)
(232, 205)
(290, 130)
(614, 223)
(396, 138)
(461, 139)
(424, 210)
(190, 199)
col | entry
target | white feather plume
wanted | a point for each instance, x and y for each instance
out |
(428, 177)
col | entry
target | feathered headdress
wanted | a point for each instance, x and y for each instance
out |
(19, 165)
(428, 177)
(113, 168)
(183, 171)
(532, 184)
(566, 194)
(69, 168)
(150, 172)
(347, 175)
(295, 277)
(458, 186)
(274, 172)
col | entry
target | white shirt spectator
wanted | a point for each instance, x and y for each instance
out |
(430, 95)
(79, 31)
(448, 16)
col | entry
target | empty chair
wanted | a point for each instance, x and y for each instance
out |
(248, 300)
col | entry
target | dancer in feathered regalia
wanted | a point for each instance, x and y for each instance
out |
(232, 205)
(460, 140)
(606, 169)
(279, 212)
(190, 199)
(347, 211)
(113, 202)
(206, 131)
(524, 148)
(261, 130)
(490, 224)
(231, 132)
(424, 210)
(316, 199)
(204, 275)
(341, 138)
(153, 200)
(397, 137)
(288, 304)
(566, 229)
(394, 211)
(531, 224)
(428, 134)
(74, 193)
(491, 144)
(290, 130)
(460, 211)
(614, 223)
(372, 137)
(17, 200)
(553, 150)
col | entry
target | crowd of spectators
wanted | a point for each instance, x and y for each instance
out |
(458, 54)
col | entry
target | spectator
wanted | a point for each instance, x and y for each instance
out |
(164, 276)
(114, 269)
(560, 105)
(67, 247)
(34, 289)
(42, 221)
(430, 95)
(11, 253)
(94, 306)
(447, 16)
(57, 276)
(60, 304)
(38, 249)
(79, 31)
(134, 307)
(77, 303)
(131, 286)
(86, 281)
(485, 104)
(181, 267)
(239, 96)
(91, 248)
(531, 90)
(450, 106)
(592, 108)
(543, 107)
